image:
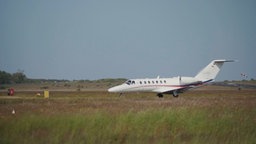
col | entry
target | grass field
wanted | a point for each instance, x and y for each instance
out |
(200, 116)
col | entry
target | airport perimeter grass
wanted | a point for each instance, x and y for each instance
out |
(98, 117)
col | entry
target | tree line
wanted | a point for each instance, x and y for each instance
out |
(7, 78)
(19, 77)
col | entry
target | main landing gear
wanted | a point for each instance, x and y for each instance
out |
(174, 93)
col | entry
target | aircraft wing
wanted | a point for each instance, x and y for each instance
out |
(168, 89)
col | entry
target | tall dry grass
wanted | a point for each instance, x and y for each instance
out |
(99, 117)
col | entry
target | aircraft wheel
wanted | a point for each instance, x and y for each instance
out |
(175, 96)
(160, 95)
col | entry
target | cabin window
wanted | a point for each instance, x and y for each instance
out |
(161, 81)
(153, 82)
(145, 82)
(164, 81)
(148, 82)
(140, 82)
(157, 82)
(133, 82)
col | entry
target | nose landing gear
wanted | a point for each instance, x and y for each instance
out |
(160, 95)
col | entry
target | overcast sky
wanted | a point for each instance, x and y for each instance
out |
(79, 39)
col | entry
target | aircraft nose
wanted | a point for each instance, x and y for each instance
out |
(114, 89)
(110, 90)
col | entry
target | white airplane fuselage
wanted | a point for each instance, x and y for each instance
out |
(144, 85)
(174, 85)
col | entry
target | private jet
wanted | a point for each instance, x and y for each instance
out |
(174, 85)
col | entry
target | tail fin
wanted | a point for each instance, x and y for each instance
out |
(211, 70)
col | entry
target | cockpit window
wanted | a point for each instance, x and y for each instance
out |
(128, 82)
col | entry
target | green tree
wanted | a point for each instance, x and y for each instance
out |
(5, 78)
(19, 77)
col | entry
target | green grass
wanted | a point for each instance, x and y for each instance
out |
(160, 125)
(207, 116)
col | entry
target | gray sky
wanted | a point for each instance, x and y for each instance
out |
(60, 39)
